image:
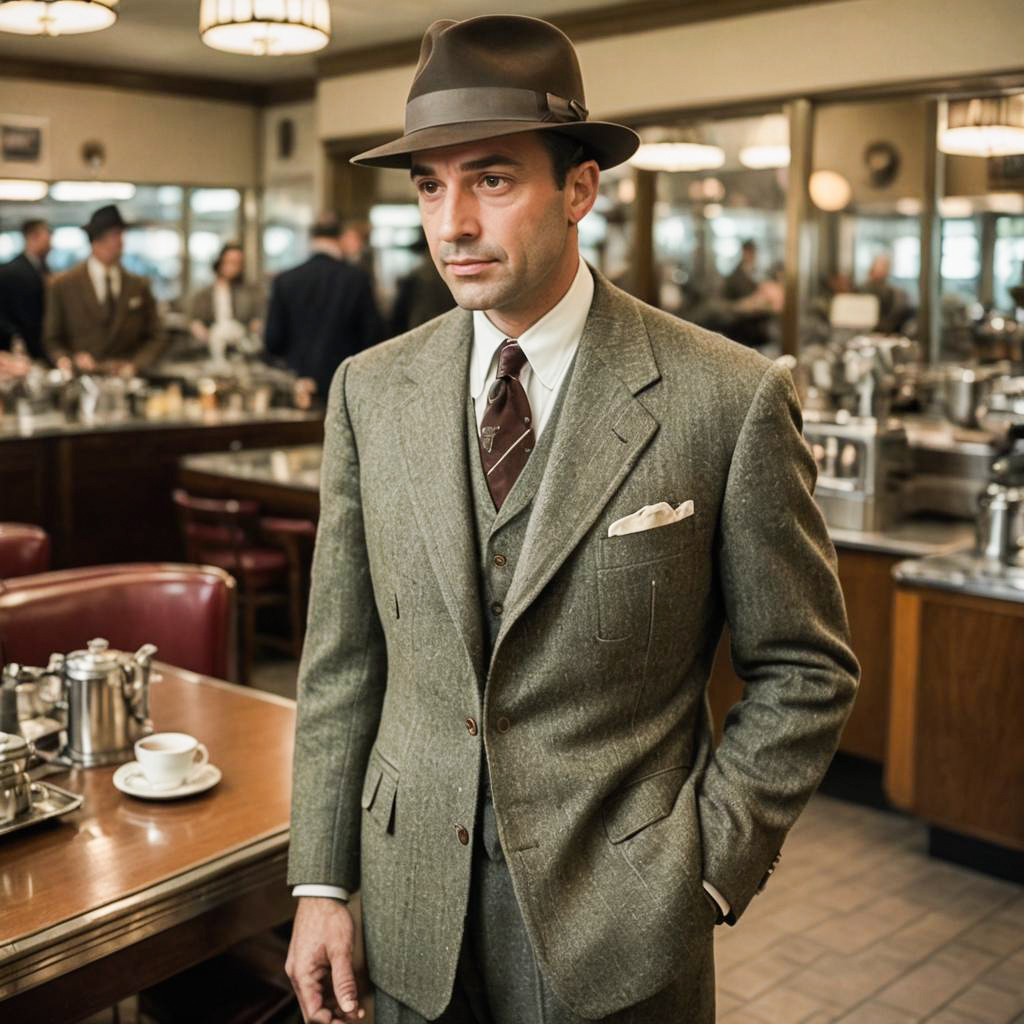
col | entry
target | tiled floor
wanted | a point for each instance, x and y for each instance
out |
(858, 925)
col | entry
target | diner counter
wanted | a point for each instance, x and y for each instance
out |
(53, 424)
(298, 469)
(104, 495)
(964, 573)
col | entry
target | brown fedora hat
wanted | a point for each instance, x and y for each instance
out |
(498, 75)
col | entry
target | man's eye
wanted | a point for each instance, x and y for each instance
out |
(493, 180)
(428, 187)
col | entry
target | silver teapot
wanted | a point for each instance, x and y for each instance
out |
(102, 699)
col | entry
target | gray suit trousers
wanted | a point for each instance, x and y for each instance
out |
(497, 980)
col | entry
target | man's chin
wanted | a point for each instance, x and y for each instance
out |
(474, 294)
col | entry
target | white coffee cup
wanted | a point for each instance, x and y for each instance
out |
(170, 759)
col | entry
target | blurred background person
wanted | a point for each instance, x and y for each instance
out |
(231, 303)
(894, 308)
(23, 291)
(743, 280)
(98, 315)
(321, 311)
(421, 294)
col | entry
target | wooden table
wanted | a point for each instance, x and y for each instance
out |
(124, 892)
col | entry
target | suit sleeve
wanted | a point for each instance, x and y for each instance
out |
(342, 674)
(153, 342)
(55, 327)
(790, 646)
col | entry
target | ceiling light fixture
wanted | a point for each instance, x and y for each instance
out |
(56, 17)
(92, 191)
(993, 126)
(677, 156)
(22, 190)
(265, 28)
(829, 190)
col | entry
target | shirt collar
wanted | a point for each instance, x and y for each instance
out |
(326, 246)
(549, 344)
(99, 271)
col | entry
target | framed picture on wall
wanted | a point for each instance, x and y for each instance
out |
(24, 146)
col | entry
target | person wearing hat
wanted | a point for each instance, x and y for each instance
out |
(537, 512)
(22, 292)
(99, 316)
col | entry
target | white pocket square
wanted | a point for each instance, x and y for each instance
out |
(650, 517)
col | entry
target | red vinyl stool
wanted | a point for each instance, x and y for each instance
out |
(24, 549)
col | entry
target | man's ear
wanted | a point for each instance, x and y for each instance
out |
(581, 190)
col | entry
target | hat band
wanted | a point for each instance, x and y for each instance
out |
(494, 103)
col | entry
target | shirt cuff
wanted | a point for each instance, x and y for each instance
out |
(723, 903)
(334, 892)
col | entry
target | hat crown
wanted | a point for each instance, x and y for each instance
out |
(506, 51)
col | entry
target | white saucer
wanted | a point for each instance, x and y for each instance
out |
(130, 779)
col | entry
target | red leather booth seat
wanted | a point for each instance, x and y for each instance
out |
(24, 549)
(188, 611)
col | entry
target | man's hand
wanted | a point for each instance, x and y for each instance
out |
(85, 362)
(320, 962)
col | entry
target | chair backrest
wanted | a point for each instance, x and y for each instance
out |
(24, 549)
(214, 524)
(188, 611)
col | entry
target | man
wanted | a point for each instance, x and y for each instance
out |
(322, 311)
(742, 282)
(894, 309)
(229, 300)
(526, 552)
(98, 315)
(22, 292)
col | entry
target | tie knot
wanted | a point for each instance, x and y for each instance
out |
(511, 360)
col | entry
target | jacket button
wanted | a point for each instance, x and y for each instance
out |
(497, 608)
(500, 560)
(471, 726)
(460, 831)
(504, 724)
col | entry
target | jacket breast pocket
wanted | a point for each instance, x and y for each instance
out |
(380, 787)
(632, 808)
(631, 571)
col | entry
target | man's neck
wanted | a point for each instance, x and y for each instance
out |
(327, 246)
(513, 324)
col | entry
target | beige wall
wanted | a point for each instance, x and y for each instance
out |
(149, 138)
(799, 50)
(843, 131)
(301, 164)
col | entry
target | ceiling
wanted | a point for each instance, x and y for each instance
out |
(161, 37)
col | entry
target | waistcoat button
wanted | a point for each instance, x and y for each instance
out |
(500, 560)
(504, 724)
(460, 831)
(471, 726)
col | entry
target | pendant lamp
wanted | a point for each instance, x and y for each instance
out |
(265, 28)
(56, 17)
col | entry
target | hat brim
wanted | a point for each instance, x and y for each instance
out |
(609, 144)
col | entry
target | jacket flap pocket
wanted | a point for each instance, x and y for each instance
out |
(647, 545)
(641, 803)
(379, 789)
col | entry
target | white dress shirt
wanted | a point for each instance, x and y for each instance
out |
(98, 275)
(549, 346)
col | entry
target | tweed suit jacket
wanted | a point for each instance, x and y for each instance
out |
(611, 803)
(75, 321)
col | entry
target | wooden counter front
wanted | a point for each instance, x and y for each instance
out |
(955, 753)
(125, 892)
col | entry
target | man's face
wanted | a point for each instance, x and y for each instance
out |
(109, 246)
(497, 226)
(232, 264)
(38, 242)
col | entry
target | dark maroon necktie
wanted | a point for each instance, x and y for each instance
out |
(506, 432)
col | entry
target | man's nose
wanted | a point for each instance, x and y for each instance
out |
(458, 216)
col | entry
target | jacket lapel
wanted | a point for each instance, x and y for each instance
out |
(602, 431)
(432, 430)
(123, 298)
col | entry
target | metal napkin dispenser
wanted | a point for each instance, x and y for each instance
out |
(101, 696)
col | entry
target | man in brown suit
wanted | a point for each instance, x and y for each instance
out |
(537, 512)
(99, 316)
